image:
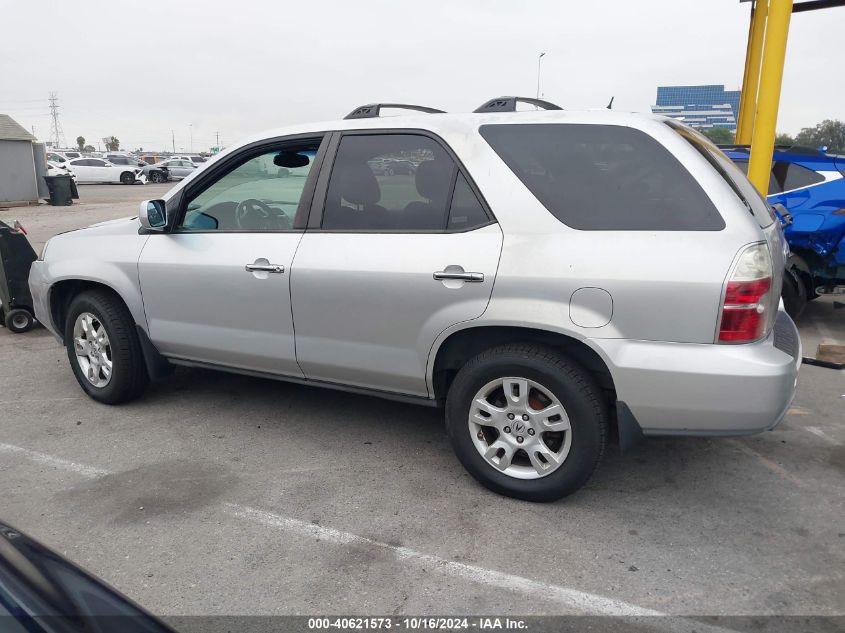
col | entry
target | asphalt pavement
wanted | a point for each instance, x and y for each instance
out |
(224, 494)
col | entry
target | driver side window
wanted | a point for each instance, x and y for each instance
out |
(260, 194)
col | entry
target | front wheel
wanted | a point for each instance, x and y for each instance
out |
(526, 422)
(103, 348)
(156, 177)
(127, 178)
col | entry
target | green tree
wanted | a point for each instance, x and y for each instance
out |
(719, 135)
(112, 143)
(784, 139)
(80, 142)
(829, 133)
(89, 148)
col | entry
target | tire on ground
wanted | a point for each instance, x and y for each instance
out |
(573, 386)
(129, 373)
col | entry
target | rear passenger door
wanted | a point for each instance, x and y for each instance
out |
(389, 261)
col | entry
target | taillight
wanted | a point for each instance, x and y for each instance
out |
(744, 312)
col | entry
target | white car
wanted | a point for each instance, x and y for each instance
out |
(195, 159)
(60, 169)
(97, 170)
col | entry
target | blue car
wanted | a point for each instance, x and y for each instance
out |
(810, 184)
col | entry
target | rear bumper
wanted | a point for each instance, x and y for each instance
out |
(694, 389)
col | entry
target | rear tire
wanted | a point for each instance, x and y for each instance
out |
(19, 320)
(548, 377)
(127, 376)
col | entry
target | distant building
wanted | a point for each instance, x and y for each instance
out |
(18, 177)
(700, 107)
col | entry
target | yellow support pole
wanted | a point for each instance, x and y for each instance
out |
(751, 78)
(768, 98)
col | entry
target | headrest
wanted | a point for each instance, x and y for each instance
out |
(358, 185)
(432, 179)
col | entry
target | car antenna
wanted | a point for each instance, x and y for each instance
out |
(610, 103)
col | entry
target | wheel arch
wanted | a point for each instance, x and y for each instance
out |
(62, 293)
(449, 355)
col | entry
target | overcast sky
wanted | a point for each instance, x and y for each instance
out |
(139, 70)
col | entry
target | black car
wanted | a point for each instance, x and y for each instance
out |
(42, 592)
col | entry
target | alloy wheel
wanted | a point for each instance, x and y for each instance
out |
(93, 349)
(520, 427)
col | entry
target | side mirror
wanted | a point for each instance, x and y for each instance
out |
(153, 214)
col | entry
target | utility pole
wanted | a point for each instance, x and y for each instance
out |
(56, 134)
(217, 134)
(173, 141)
(191, 133)
(539, 59)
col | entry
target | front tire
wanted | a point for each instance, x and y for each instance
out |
(156, 177)
(103, 348)
(127, 178)
(527, 422)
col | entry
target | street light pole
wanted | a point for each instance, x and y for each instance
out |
(191, 131)
(539, 59)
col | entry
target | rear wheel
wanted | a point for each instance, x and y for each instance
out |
(127, 178)
(526, 422)
(103, 348)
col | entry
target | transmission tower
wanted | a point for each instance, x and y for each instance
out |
(56, 134)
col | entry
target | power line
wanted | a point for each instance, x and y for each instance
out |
(56, 134)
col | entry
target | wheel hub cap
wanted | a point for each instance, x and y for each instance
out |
(520, 428)
(93, 349)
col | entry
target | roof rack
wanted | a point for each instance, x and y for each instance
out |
(508, 104)
(371, 110)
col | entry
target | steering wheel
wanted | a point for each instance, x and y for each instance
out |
(253, 214)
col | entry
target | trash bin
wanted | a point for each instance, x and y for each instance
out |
(16, 257)
(60, 190)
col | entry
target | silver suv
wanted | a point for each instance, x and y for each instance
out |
(550, 278)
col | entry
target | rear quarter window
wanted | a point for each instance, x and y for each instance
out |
(604, 177)
(730, 173)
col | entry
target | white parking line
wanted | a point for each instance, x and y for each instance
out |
(55, 462)
(819, 433)
(580, 601)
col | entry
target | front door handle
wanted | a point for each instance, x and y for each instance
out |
(265, 268)
(442, 275)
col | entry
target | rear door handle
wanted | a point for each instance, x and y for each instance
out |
(265, 268)
(442, 275)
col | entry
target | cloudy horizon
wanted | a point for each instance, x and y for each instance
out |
(199, 68)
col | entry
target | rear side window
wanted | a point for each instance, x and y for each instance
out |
(730, 173)
(604, 177)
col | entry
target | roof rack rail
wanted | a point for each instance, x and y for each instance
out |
(372, 110)
(508, 104)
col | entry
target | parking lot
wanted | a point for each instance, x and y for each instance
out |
(224, 494)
